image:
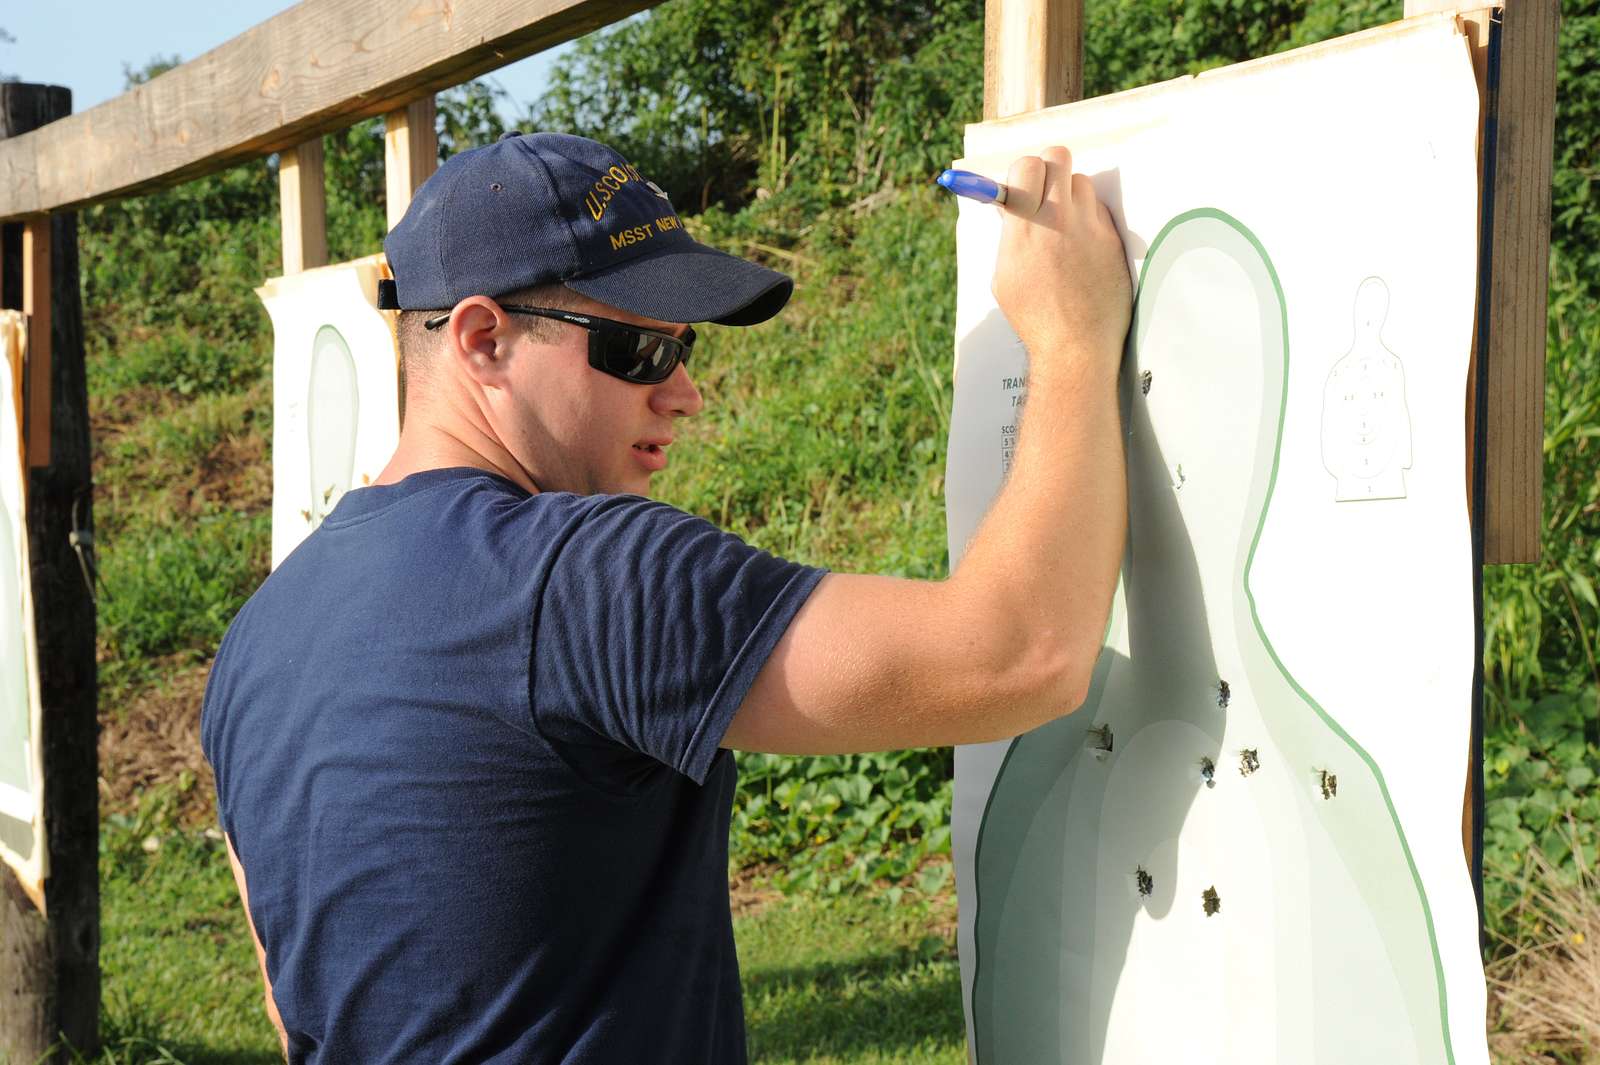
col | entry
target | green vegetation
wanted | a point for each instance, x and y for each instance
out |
(803, 133)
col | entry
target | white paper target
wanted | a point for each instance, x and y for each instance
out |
(335, 393)
(1245, 846)
(21, 774)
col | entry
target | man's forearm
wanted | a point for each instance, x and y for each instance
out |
(1045, 559)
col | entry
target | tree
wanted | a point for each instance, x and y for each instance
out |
(6, 38)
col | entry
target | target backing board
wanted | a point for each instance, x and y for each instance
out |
(22, 840)
(1245, 846)
(335, 392)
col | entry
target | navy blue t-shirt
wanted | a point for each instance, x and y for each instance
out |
(466, 742)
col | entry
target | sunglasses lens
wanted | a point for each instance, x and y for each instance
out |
(641, 357)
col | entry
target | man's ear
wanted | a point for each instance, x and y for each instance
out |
(479, 335)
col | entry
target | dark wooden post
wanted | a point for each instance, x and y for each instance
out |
(50, 963)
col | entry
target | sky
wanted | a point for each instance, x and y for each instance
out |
(84, 44)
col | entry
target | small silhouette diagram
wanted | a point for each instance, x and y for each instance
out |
(1366, 428)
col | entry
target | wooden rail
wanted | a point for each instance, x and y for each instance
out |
(315, 68)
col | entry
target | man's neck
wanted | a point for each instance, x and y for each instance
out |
(427, 446)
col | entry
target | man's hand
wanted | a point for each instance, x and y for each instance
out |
(1061, 276)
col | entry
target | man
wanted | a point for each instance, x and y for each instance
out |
(471, 738)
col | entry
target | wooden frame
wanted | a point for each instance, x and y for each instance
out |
(313, 69)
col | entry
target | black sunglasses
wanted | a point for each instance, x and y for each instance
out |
(641, 356)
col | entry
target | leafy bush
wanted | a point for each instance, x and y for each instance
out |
(721, 101)
(1543, 802)
(176, 590)
(182, 361)
(844, 821)
(1575, 211)
(1541, 620)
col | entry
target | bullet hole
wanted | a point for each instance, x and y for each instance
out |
(495, 186)
(1224, 693)
(1328, 782)
(1144, 881)
(1249, 761)
(1208, 772)
(1100, 739)
(1144, 382)
(1210, 901)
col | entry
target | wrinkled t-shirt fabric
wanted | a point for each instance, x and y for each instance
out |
(466, 744)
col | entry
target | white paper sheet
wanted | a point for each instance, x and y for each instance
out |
(1266, 864)
(335, 393)
(21, 773)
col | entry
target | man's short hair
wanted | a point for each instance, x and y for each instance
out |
(419, 346)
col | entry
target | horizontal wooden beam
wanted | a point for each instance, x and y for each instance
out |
(313, 69)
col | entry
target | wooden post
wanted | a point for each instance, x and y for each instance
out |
(36, 301)
(410, 153)
(303, 207)
(49, 968)
(1519, 281)
(1032, 55)
(1518, 242)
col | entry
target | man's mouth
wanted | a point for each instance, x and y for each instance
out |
(652, 454)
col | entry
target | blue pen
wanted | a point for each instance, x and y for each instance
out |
(973, 186)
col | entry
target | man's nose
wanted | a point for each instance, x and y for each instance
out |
(677, 396)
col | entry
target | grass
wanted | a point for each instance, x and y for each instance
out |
(1545, 977)
(857, 980)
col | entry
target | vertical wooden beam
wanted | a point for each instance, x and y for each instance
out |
(49, 966)
(1523, 127)
(303, 207)
(36, 305)
(410, 153)
(1519, 281)
(1032, 55)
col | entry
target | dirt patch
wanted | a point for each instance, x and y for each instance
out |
(153, 742)
(750, 890)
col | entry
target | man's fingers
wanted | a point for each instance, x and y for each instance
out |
(1033, 179)
(1025, 186)
(1082, 190)
(1058, 159)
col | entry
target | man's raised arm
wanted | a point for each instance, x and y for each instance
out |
(1010, 639)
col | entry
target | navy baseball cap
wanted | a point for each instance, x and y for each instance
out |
(538, 208)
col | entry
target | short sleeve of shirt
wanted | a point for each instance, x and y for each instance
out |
(651, 627)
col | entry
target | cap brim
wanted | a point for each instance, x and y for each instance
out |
(690, 283)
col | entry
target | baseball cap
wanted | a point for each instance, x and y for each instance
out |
(538, 208)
